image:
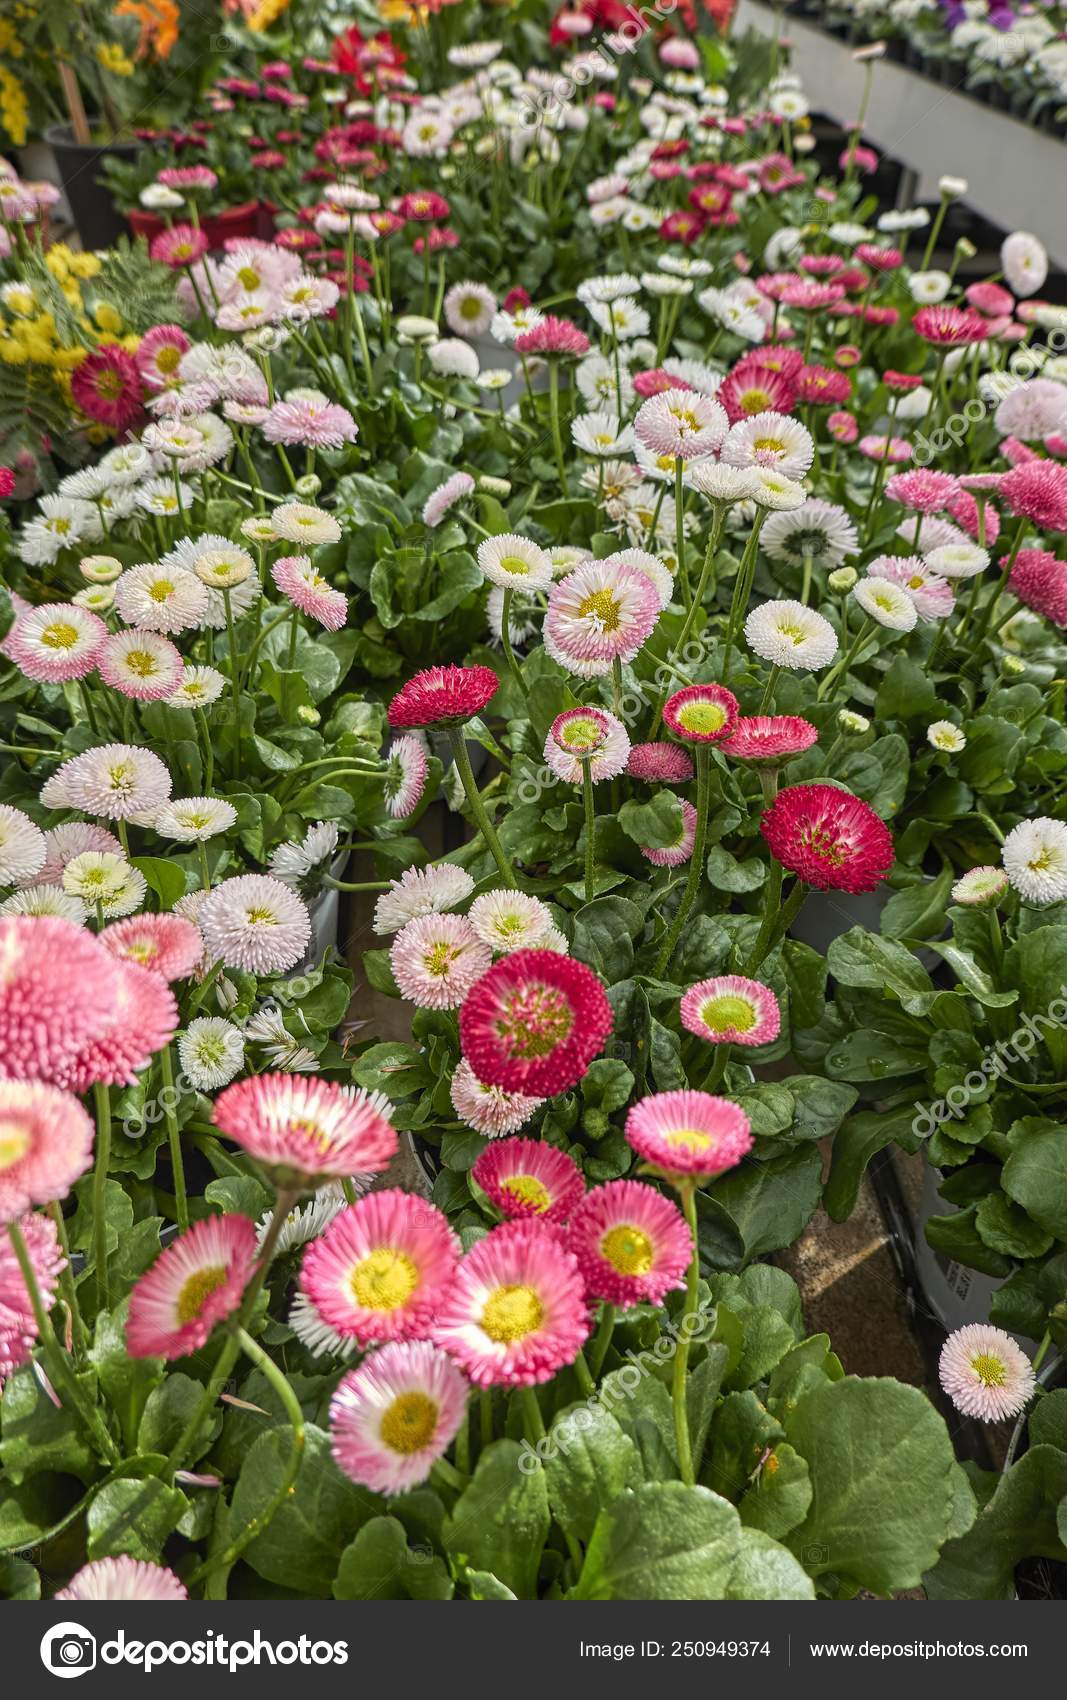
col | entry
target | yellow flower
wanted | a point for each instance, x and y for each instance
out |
(111, 56)
(9, 41)
(14, 111)
(57, 259)
(18, 298)
(106, 317)
(265, 14)
(84, 265)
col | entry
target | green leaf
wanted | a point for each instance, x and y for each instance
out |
(881, 1462)
(604, 933)
(819, 1106)
(973, 976)
(133, 1517)
(767, 1571)
(645, 1413)
(1018, 1522)
(771, 1203)
(1035, 1176)
(314, 1523)
(956, 1236)
(37, 1436)
(662, 1541)
(654, 825)
(860, 1139)
(1006, 1228)
(1047, 1423)
(18, 1580)
(166, 879)
(501, 1521)
(169, 1407)
(125, 1381)
(742, 1432)
(866, 1054)
(860, 958)
(726, 873)
(779, 1497)
(379, 1565)
(906, 691)
(919, 911)
(590, 1464)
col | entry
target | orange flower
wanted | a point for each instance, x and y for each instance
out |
(159, 25)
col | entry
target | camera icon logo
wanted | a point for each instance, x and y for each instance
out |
(68, 1649)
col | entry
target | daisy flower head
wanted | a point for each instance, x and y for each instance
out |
(45, 899)
(406, 767)
(721, 483)
(43, 1024)
(957, 560)
(586, 739)
(469, 309)
(819, 532)
(212, 1052)
(701, 714)
(510, 920)
(886, 602)
(421, 891)
(688, 1135)
(681, 423)
(140, 664)
(123, 1578)
(775, 492)
(602, 434)
(922, 490)
(980, 886)
(984, 1372)
(1039, 580)
(394, 1416)
(141, 1020)
(828, 838)
(1034, 855)
(46, 1144)
(442, 500)
(488, 1109)
(660, 761)
(295, 860)
(307, 590)
(769, 739)
(554, 339)
(298, 1125)
(772, 441)
(652, 567)
(1025, 262)
(192, 1286)
(673, 855)
(55, 641)
(945, 735)
(297, 522)
(516, 1311)
(451, 358)
(600, 613)
(159, 600)
(198, 687)
(731, 1010)
(443, 696)
(632, 1244)
(310, 422)
(96, 876)
(526, 1177)
(223, 568)
(789, 634)
(534, 1022)
(933, 596)
(381, 1269)
(511, 561)
(436, 959)
(1038, 490)
(179, 247)
(193, 820)
(948, 327)
(23, 847)
(255, 923)
(166, 943)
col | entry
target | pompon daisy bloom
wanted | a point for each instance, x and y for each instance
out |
(406, 766)
(57, 987)
(442, 500)
(772, 441)
(984, 1373)
(719, 483)
(421, 891)
(141, 1020)
(933, 597)
(534, 1022)
(828, 838)
(469, 309)
(516, 1311)
(632, 1244)
(599, 614)
(165, 943)
(443, 696)
(140, 664)
(525, 1177)
(307, 590)
(770, 738)
(159, 600)
(553, 339)
(957, 560)
(380, 1270)
(980, 886)
(123, 1578)
(192, 1285)
(192, 820)
(511, 561)
(701, 714)
(307, 1126)
(1025, 262)
(45, 899)
(673, 855)
(23, 849)
(924, 490)
(731, 1010)
(1038, 490)
(311, 422)
(488, 1109)
(198, 687)
(886, 602)
(211, 1052)
(394, 1416)
(944, 735)
(55, 642)
(254, 923)
(436, 959)
(221, 566)
(510, 920)
(660, 761)
(294, 861)
(819, 532)
(46, 1143)
(1034, 855)
(297, 522)
(692, 1135)
(775, 492)
(590, 738)
(100, 878)
(18, 1325)
(1039, 580)
(788, 634)
(682, 424)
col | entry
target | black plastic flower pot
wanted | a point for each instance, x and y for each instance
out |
(92, 208)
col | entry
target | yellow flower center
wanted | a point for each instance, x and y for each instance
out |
(14, 1143)
(59, 635)
(141, 662)
(514, 564)
(410, 1423)
(702, 716)
(167, 359)
(161, 589)
(628, 1249)
(527, 1189)
(689, 1139)
(769, 445)
(198, 1289)
(511, 1313)
(989, 1370)
(260, 917)
(604, 607)
(728, 1011)
(385, 1280)
(470, 307)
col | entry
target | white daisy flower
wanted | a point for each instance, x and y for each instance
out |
(601, 434)
(772, 441)
(886, 602)
(509, 920)
(1035, 857)
(943, 735)
(421, 891)
(45, 900)
(787, 634)
(198, 687)
(469, 309)
(211, 1052)
(193, 820)
(957, 560)
(160, 601)
(293, 862)
(23, 849)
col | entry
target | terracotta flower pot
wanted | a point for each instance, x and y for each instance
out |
(219, 228)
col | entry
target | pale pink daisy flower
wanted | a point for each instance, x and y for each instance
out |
(632, 1244)
(510, 920)
(381, 1268)
(191, 1287)
(489, 1109)
(307, 590)
(55, 642)
(310, 424)
(586, 738)
(442, 500)
(406, 766)
(46, 1143)
(141, 1020)
(690, 1134)
(1033, 411)
(159, 599)
(421, 891)
(255, 923)
(140, 664)
(436, 959)
(597, 615)
(307, 1125)
(923, 490)
(673, 855)
(57, 989)
(771, 440)
(681, 424)
(123, 1578)
(516, 1311)
(394, 1416)
(167, 944)
(731, 1010)
(933, 596)
(18, 1325)
(984, 1373)
(73, 838)
(22, 847)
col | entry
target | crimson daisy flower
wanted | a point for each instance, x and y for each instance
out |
(769, 738)
(534, 1022)
(828, 838)
(755, 389)
(526, 1177)
(443, 696)
(107, 387)
(701, 714)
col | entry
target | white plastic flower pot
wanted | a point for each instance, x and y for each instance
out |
(956, 1295)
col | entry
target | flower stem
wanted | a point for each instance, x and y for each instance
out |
(696, 862)
(557, 437)
(590, 831)
(102, 1105)
(477, 807)
(681, 1354)
(679, 533)
(602, 1339)
(66, 1281)
(505, 639)
(174, 1138)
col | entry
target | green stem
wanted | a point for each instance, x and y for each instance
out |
(174, 1138)
(602, 1339)
(102, 1105)
(590, 830)
(681, 1354)
(505, 639)
(768, 689)
(840, 668)
(585, 1378)
(477, 807)
(66, 1282)
(696, 861)
(679, 532)
(771, 906)
(746, 574)
(557, 436)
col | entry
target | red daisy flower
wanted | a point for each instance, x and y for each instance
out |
(443, 696)
(828, 838)
(769, 738)
(755, 389)
(534, 1022)
(701, 714)
(107, 387)
(923, 490)
(1038, 490)
(822, 385)
(527, 1177)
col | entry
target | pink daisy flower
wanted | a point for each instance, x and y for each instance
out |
(165, 943)
(688, 1134)
(394, 1416)
(254, 922)
(656, 381)
(600, 613)
(312, 1127)
(57, 989)
(310, 425)
(159, 355)
(984, 1373)
(553, 337)
(179, 247)
(142, 1019)
(187, 177)
(932, 595)
(632, 1244)
(751, 389)
(1038, 490)
(381, 1269)
(821, 386)
(525, 1177)
(948, 327)
(141, 664)
(1039, 580)
(18, 1325)
(681, 424)
(436, 959)
(828, 838)
(964, 509)
(442, 500)
(731, 1010)
(123, 1578)
(924, 491)
(895, 450)
(55, 641)
(581, 737)
(701, 714)
(406, 767)
(307, 590)
(673, 855)
(660, 761)
(488, 1109)
(769, 738)
(107, 387)
(443, 696)
(193, 1285)
(842, 426)
(515, 1312)
(534, 1022)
